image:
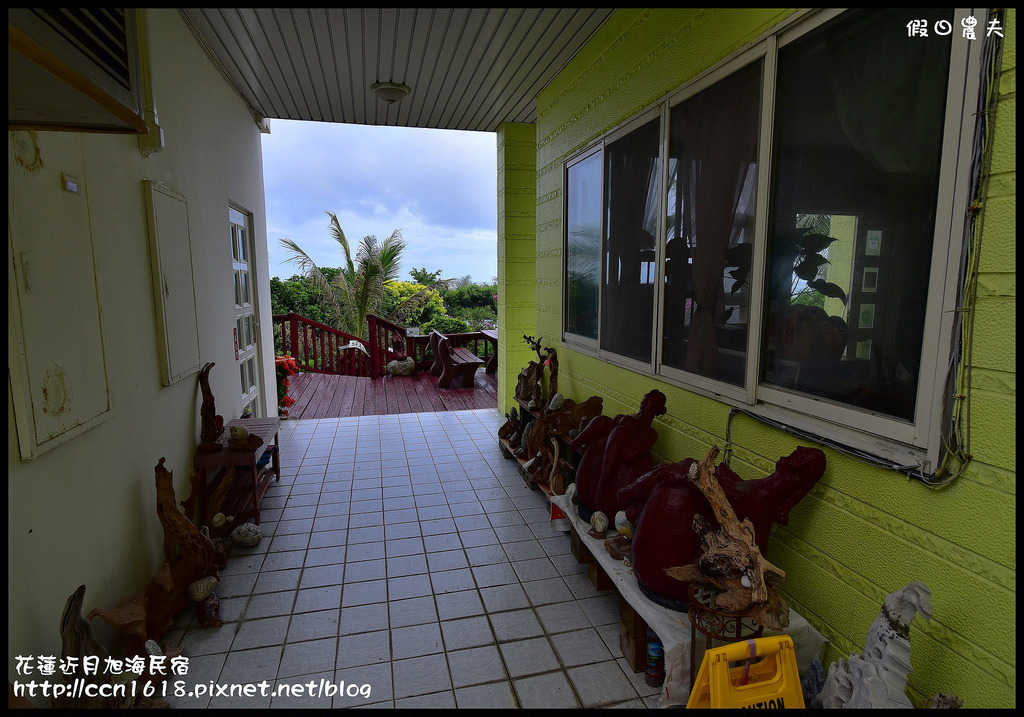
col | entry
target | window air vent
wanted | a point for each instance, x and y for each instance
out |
(73, 69)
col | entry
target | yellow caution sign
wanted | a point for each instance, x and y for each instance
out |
(765, 675)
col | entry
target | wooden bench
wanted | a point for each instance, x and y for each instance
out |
(449, 362)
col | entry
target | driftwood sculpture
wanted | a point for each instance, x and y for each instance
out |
(190, 554)
(558, 419)
(617, 453)
(129, 619)
(661, 506)
(163, 601)
(573, 416)
(552, 364)
(208, 431)
(512, 429)
(528, 387)
(877, 678)
(75, 633)
(216, 499)
(731, 560)
(77, 642)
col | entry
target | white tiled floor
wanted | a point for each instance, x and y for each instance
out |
(405, 553)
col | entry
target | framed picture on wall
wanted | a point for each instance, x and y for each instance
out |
(873, 243)
(864, 349)
(869, 281)
(866, 316)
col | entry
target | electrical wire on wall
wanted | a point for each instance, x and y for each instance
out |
(914, 470)
(956, 440)
(957, 419)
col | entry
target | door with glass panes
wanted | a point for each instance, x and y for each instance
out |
(246, 331)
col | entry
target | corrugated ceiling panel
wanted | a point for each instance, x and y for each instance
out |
(469, 68)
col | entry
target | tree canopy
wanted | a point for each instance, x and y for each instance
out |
(367, 284)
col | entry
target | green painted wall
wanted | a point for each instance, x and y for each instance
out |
(517, 246)
(863, 532)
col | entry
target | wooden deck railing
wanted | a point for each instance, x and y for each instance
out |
(382, 331)
(318, 348)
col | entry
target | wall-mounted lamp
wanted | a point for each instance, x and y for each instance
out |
(390, 92)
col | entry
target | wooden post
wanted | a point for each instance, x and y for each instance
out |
(375, 367)
(632, 636)
(293, 335)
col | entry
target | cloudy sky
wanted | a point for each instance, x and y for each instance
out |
(438, 186)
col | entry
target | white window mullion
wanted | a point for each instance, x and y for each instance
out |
(757, 272)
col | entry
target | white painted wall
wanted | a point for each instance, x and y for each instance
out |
(84, 512)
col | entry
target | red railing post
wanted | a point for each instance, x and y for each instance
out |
(371, 321)
(293, 334)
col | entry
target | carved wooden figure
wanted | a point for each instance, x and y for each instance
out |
(552, 364)
(77, 642)
(216, 499)
(75, 633)
(528, 387)
(572, 416)
(511, 427)
(662, 503)
(617, 453)
(208, 432)
(129, 619)
(730, 559)
(190, 554)
(163, 601)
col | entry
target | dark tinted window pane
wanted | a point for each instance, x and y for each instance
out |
(858, 127)
(583, 245)
(631, 198)
(711, 205)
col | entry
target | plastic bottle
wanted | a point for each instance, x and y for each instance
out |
(654, 675)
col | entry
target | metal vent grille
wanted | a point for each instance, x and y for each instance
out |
(99, 33)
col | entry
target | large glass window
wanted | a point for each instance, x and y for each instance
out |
(583, 246)
(631, 226)
(789, 255)
(711, 199)
(859, 113)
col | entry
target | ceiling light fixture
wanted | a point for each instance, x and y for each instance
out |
(390, 92)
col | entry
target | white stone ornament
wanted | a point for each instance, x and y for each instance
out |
(201, 588)
(247, 535)
(622, 526)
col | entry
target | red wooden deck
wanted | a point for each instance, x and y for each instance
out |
(319, 395)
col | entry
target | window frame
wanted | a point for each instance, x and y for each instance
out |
(907, 444)
(593, 346)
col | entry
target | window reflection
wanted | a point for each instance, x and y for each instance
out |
(858, 129)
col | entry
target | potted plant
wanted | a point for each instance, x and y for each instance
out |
(285, 367)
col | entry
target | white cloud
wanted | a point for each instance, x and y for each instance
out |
(438, 186)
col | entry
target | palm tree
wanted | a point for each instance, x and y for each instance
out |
(358, 288)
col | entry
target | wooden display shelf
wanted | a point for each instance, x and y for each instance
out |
(563, 463)
(506, 450)
(243, 498)
(252, 475)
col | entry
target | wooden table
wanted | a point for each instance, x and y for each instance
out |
(492, 360)
(251, 479)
